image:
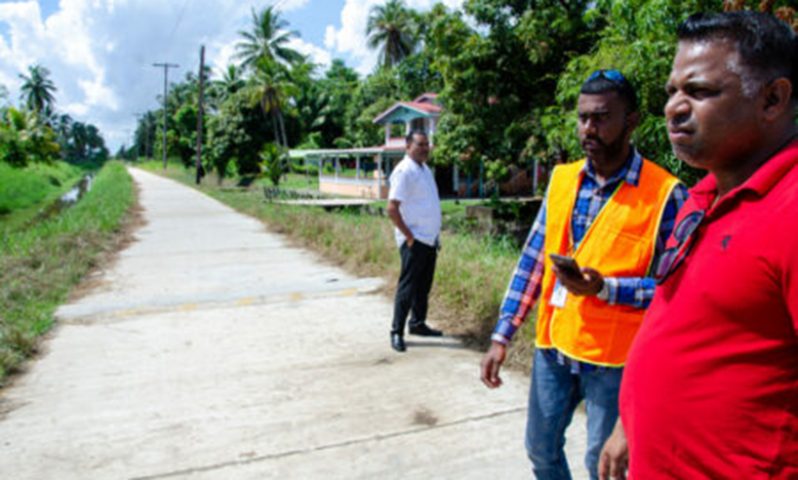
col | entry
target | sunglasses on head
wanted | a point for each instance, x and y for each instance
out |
(684, 233)
(612, 75)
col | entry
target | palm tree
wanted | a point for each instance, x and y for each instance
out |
(271, 87)
(37, 89)
(267, 40)
(26, 138)
(391, 28)
(80, 139)
(231, 82)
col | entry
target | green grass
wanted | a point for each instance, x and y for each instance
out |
(296, 181)
(42, 262)
(471, 275)
(23, 191)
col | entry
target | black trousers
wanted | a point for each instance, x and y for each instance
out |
(415, 282)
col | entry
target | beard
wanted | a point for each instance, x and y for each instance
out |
(608, 150)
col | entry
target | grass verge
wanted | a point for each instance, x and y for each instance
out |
(471, 274)
(24, 190)
(40, 264)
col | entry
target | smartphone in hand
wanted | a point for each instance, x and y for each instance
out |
(566, 265)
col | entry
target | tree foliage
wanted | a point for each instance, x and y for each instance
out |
(24, 139)
(80, 143)
(38, 90)
(392, 29)
(639, 39)
(274, 162)
(508, 73)
(498, 76)
(267, 40)
(36, 133)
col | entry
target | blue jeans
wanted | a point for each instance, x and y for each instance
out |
(553, 396)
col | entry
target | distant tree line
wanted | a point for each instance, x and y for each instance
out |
(34, 131)
(508, 73)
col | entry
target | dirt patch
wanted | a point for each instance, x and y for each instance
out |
(8, 406)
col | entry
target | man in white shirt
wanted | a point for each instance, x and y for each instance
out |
(415, 210)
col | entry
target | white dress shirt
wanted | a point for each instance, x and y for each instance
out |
(413, 185)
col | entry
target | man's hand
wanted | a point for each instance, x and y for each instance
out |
(614, 457)
(589, 283)
(492, 363)
(398, 221)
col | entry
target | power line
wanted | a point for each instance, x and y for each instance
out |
(177, 23)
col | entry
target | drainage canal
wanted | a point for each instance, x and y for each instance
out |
(67, 200)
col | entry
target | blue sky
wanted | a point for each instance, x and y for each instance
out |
(310, 21)
(313, 20)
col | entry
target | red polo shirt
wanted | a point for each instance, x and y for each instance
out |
(710, 389)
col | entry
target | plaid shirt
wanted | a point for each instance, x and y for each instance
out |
(524, 288)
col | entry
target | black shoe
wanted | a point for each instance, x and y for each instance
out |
(397, 342)
(425, 331)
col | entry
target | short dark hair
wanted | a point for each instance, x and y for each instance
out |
(767, 46)
(412, 133)
(603, 81)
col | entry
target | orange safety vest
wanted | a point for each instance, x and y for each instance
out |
(619, 243)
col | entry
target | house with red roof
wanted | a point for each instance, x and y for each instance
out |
(422, 114)
(364, 172)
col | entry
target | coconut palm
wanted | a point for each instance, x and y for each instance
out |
(24, 137)
(271, 87)
(267, 40)
(391, 28)
(232, 81)
(37, 89)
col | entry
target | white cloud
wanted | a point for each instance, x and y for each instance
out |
(351, 37)
(317, 54)
(76, 109)
(97, 94)
(24, 24)
(100, 52)
(329, 37)
(288, 5)
(220, 54)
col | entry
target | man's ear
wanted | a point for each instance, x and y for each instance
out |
(632, 120)
(777, 99)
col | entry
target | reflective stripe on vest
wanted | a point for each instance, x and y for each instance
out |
(620, 242)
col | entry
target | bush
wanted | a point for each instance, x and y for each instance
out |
(275, 162)
(298, 166)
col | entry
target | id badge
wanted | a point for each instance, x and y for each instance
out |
(558, 296)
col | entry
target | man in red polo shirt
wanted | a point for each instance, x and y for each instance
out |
(710, 389)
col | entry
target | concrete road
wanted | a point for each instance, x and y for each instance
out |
(213, 350)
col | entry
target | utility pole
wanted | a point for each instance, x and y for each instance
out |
(200, 112)
(166, 67)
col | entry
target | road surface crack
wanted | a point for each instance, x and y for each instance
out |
(320, 448)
